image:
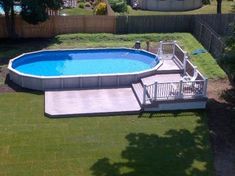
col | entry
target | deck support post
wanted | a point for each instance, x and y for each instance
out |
(205, 87)
(144, 95)
(155, 91)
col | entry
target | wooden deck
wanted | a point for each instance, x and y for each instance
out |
(91, 102)
(162, 78)
(170, 65)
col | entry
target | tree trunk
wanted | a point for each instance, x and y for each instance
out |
(10, 22)
(219, 6)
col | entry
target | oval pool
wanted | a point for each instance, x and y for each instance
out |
(85, 68)
(85, 62)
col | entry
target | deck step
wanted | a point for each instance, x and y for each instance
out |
(138, 91)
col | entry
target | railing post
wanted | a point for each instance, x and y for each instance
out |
(181, 89)
(144, 94)
(205, 87)
(161, 48)
(174, 43)
(184, 62)
(155, 91)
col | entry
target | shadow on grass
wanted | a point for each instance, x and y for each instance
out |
(221, 123)
(12, 48)
(178, 152)
(176, 113)
(17, 88)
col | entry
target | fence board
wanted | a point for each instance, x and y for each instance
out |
(149, 24)
(61, 25)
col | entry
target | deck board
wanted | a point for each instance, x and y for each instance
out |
(91, 102)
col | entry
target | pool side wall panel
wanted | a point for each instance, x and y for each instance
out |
(37, 83)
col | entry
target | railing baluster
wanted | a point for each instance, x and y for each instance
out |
(155, 91)
(144, 94)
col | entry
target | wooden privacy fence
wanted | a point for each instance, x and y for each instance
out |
(61, 25)
(173, 23)
(208, 38)
(220, 23)
(157, 23)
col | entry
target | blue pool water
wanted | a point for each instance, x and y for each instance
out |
(85, 62)
(17, 9)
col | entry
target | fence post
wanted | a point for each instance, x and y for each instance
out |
(155, 91)
(144, 94)
(205, 87)
(181, 89)
(184, 62)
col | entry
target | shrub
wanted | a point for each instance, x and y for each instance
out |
(118, 5)
(81, 5)
(101, 9)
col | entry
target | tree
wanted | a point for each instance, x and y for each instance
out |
(8, 7)
(35, 11)
(219, 6)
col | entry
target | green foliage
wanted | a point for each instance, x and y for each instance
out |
(101, 9)
(6, 4)
(206, 2)
(118, 5)
(35, 12)
(81, 5)
(228, 61)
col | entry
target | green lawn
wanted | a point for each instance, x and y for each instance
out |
(160, 144)
(227, 7)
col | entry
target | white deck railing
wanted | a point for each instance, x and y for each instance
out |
(191, 89)
(175, 90)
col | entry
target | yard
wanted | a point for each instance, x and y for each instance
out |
(153, 144)
(227, 7)
(171, 144)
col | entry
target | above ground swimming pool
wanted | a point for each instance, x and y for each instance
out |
(84, 68)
